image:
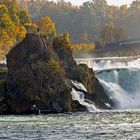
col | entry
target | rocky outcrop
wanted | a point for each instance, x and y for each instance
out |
(37, 76)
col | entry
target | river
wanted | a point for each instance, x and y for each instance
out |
(120, 78)
(103, 125)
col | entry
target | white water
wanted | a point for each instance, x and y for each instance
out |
(99, 64)
(80, 97)
(120, 78)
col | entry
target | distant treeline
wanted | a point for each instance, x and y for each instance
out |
(94, 21)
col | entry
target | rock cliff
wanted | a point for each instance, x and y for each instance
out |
(38, 75)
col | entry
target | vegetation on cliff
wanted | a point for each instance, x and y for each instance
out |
(41, 75)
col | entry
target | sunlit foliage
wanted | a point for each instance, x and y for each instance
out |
(46, 26)
(12, 25)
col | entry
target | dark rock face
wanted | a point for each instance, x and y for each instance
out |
(37, 75)
(3, 106)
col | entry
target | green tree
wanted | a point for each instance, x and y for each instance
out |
(107, 34)
(111, 32)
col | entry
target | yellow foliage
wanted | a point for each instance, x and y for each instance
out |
(2, 6)
(6, 42)
(12, 25)
(30, 26)
(8, 25)
(46, 26)
(1, 53)
(21, 33)
(83, 47)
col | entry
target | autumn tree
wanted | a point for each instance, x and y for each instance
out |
(46, 26)
(12, 24)
(7, 30)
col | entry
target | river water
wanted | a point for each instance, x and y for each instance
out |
(103, 125)
(120, 78)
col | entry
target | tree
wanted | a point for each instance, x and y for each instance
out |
(132, 21)
(24, 17)
(111, 32)
(21, 32)
(107, 34)
(12, 24)
(7, 24)
(5, 43)
(47, 27)
(85, 38)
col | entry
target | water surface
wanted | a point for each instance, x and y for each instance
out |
(104, 125)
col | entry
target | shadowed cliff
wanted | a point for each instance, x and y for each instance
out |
(38, 74)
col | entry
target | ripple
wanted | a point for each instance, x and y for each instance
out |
(102, 125)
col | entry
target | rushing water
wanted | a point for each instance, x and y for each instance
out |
(120, 78)
(99, 64)
(105, 125)
(123, 87)
(80, 97)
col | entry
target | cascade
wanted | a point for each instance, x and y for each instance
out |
(80, 97)
(99, 64)
(120, 78)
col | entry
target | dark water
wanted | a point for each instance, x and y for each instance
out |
(103, 125)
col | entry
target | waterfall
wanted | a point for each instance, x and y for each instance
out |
(99, 64)
(80, 97)
(120, 78)
(122, 86)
